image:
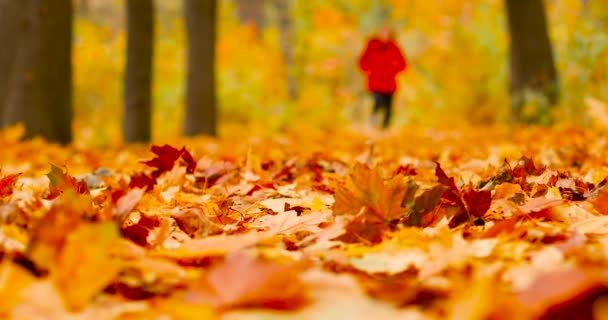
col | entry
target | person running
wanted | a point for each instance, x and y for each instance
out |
(381, 61)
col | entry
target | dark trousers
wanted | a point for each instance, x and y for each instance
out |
(383, 102)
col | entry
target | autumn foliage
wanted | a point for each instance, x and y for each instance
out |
(360, 225)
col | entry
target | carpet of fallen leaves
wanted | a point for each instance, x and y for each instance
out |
(491, 223)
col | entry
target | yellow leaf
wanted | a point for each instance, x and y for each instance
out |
(85, 267)
(13, 278)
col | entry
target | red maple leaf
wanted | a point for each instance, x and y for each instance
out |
(190, 163)
(465, 203)
(7, 183)
(141, 180)
(165, 159)
(476, 202)
(139, 231)
(525, 167)
(407, 170)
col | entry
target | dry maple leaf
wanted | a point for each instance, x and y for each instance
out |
(195, 223)
(365, 188)
(422, 205)
(290, 222)
(212, 246)
(466, 203)
(376, 204)
(246, 281)
(60, 181)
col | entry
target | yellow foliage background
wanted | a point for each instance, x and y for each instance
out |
(457, 50)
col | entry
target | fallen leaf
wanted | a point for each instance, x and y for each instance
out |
(60, 181)
(569, 294)
(390, 263)
(128, 202)
(245, 281)
(365, 188)
(84, 266)
(7, 183)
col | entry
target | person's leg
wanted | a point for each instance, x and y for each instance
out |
(378, 102)
(387, 106)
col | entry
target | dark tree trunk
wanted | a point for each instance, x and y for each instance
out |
(200, 116)
(13, 19)
(55, 65)
(138, 74)
(41, 85)
(286, 43)
(252, 12)
(532, 64)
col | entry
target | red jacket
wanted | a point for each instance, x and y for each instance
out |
(382, 61)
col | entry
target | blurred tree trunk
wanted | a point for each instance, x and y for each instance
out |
(252, 12)
(201, 114)
(531, 58)
(13, 22)
(41, 85)
(138, 74)
(287, 44)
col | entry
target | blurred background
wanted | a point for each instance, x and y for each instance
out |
(282, 64)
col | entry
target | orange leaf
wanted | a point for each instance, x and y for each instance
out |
(60, 181)
(244, 281)
(365, 187)
(601, 202)
(565, 294)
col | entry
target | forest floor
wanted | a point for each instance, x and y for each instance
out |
(500, 223)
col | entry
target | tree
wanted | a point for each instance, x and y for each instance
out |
(40, 93)
(11, 33)
(138, 74)
(531, 58)
(286, 43)
(200, 115)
